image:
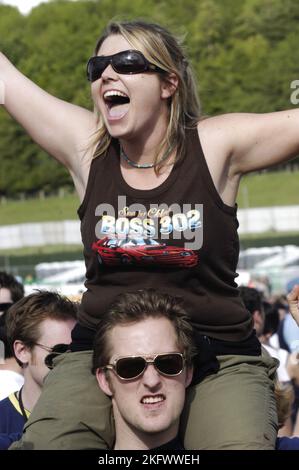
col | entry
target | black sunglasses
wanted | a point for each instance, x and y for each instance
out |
(125, 62)
(5, 306)
(131, 367)
(55, 351)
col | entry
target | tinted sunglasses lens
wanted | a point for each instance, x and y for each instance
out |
(95, 68)
(129, 62)
(49, 360)
(169, 364)
(56, 351)
(130, 367)
(5, 306)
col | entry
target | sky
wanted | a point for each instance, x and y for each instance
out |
(23, 5)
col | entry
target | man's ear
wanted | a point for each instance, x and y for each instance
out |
(189, 375)
(103, 381)
(169, 85)
(22, 352)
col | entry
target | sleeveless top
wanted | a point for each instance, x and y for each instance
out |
(179, 238)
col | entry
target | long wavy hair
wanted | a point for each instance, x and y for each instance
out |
(163, 49)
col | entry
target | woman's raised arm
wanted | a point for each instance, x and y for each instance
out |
(60, 128)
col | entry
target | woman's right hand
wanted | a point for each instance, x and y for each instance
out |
(293, 301)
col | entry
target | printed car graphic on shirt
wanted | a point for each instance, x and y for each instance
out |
(142, 252)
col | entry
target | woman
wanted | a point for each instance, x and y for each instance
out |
(158, 188)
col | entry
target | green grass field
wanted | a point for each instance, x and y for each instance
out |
(266, 189)
(39, 210)
(269, 189)
(256, 191)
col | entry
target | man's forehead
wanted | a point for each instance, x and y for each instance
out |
(153, 335)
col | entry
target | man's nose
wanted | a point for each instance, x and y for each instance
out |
(151, 377)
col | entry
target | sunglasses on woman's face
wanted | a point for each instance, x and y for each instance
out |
(131, 367)
(125, 62)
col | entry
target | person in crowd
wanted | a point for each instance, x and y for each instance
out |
(11, 377)
(293, 366)
(285, 399)
(143, 355)
(270, 328)
(253, 301)
(284, 390)
(35, 325)
(158, 184)
(11, 290)
(293, 300)
(287, 443)
(266, 320)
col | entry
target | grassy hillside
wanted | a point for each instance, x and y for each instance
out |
(274, 189)
(39, 210)
(269, 189)
(256, 191)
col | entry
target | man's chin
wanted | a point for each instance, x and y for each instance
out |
(155, 427)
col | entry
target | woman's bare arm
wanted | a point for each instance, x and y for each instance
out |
(235, 144)
(60, 128)
(256, 141)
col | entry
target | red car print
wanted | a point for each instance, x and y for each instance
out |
(142, 252)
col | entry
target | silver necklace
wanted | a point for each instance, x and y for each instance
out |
(134, 164)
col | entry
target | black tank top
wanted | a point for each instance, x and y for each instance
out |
(179, 238)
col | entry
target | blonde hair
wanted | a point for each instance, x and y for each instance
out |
(166, 51)
(285, 396)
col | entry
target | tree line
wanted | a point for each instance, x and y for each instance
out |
(244, 53)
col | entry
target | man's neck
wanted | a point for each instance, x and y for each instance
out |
(30, 393)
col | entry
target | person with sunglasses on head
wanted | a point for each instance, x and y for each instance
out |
(158, 184)
(34, 325)
(11, 376)
(143, 360)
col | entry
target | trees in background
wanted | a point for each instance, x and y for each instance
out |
(244, 54)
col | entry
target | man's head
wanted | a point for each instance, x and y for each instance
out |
(253, 301)
(35, 324)
(271, 323)
(146, 340)
(10, 291)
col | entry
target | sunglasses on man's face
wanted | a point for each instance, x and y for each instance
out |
(54, 351)
(131, 367)
(125, 62)
(5, 306)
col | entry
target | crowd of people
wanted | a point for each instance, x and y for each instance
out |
(157, 181)
(144, 361)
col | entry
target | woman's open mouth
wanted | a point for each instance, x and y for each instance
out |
(117, 104)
